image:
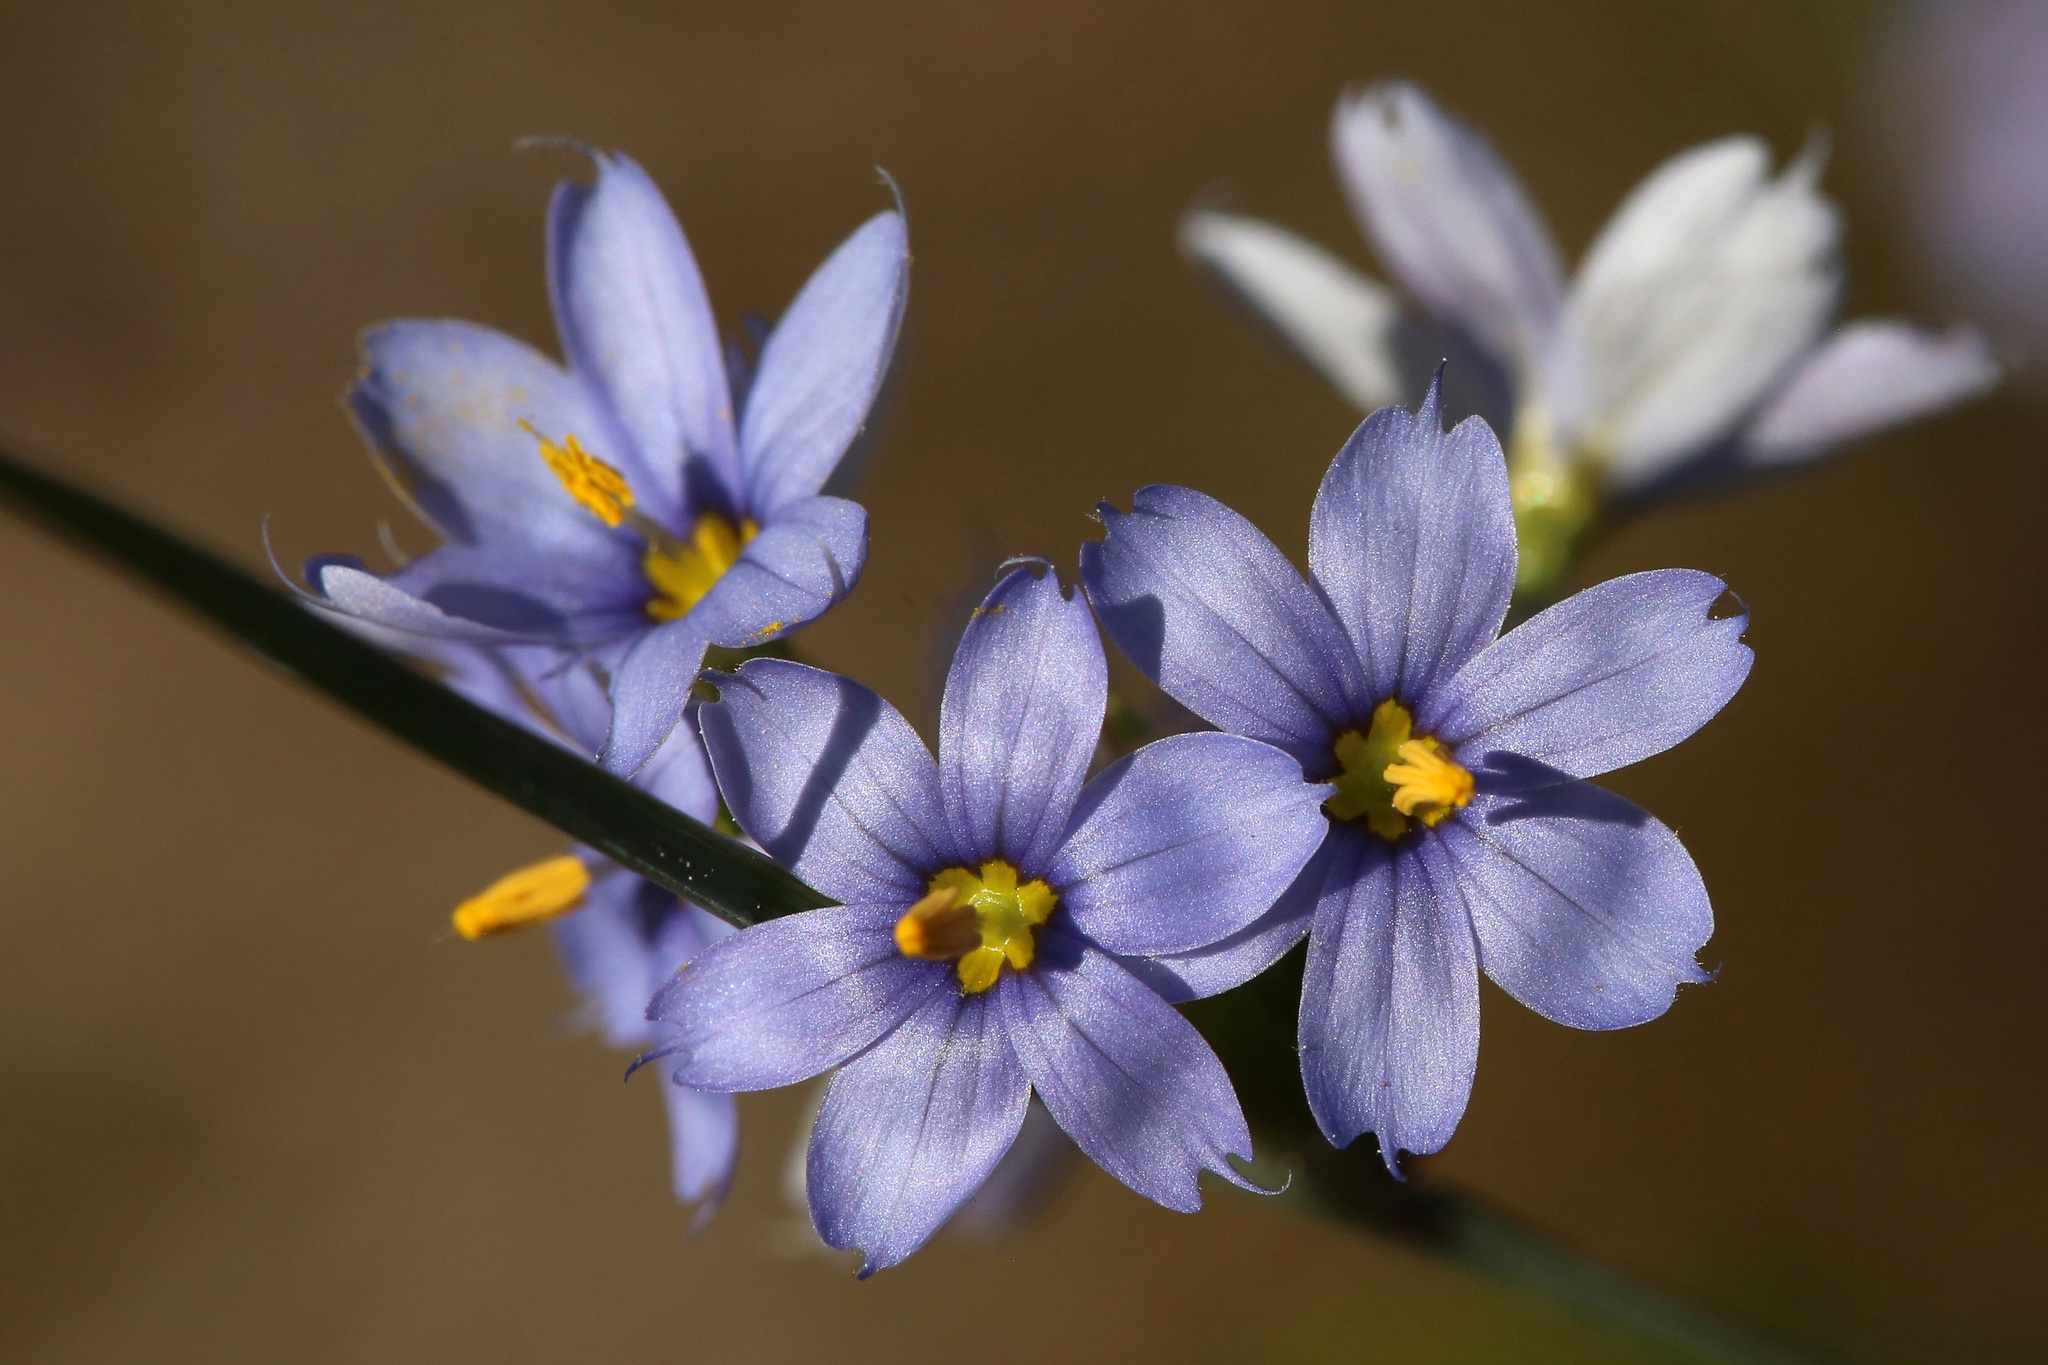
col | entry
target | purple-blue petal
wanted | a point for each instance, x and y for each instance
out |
(440, 404)
(704, 1147)
(1129, 1080)
(570, 601)
(1020, 720)
(1230, 962)
(823, 365)
(1605, 678)
(1022, 1183)
(680, 774)
(829, 779)
(1413, 541)
(1587, 910)
(605, 952)
(363, 596)
(1209, 609)
(650, 691)
(1186, 842)
(784, 1000)
(912, 1127)
(807, 557)
(1390, 998)
(637, 327)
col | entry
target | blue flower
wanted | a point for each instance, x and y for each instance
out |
(1459, 836)
(1693, 344)
(616, 506)
(994, 913)
(620, 937)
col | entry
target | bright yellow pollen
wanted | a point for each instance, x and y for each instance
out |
(551, 887)
(980, 922)
(597, 487)
(683, 571)
(1428, 786)
(1389, 778)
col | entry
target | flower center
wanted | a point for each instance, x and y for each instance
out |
(680, 571)
(977, 921)
(683, 571)
(1389, 778)
(551, 887)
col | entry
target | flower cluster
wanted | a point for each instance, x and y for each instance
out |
(1385, 773)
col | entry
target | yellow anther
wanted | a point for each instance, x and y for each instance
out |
(597, 487)
(682, 572)
(1388, 778)
(939, 928)
(1427, 786)
(979, 921)
(551, 887)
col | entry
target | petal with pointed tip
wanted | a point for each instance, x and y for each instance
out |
(823, 365)
(1186, 842)
(784, 1000)
(1206, 607)
(1129, 1080)
(830, 780)
(1586, 909)
(1022, 713)
(1449, 219)
(912, 1127)
(1334, 318)
(1390, 999)
(1603, 679)
(1864, 378)
(1413, 541)
(637, 326)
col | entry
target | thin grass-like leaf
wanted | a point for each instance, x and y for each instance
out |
(583, 801)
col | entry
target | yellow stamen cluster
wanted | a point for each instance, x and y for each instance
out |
(680, 571)
(551, 887)
(1388, 777)
(977, 921)
(597, 487)
(683, 571)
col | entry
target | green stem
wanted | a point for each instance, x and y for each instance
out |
(591, 806)
(1252, 1029)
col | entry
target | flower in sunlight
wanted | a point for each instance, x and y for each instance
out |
(618, 506)
(994, 913)
(1459, 834)
(1693, 344)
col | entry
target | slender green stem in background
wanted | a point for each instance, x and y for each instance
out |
(619, 820)
(1252, 1028)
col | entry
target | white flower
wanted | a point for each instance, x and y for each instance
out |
(1692, 343)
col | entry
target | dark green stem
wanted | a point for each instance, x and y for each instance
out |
(1253, 1030)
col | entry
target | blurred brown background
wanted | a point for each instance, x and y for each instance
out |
(255, 1104)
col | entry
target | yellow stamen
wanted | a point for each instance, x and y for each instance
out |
(597, 487)
(682, 572)
(1388, 778)
(1428, 786)
(551, 887)
(978, 921)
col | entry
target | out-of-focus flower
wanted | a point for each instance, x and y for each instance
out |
(1964, 99)
(993, 912)
(1459, 835)
(1692, 345)
(619, 936)
(616, 506)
